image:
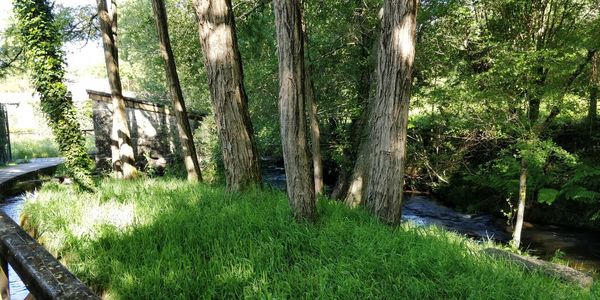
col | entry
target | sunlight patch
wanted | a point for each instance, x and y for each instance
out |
(236, 272)
(111, 213)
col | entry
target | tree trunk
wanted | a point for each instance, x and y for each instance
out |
(190, 158)
(122, 152)
(292, 94)
(593, 109)
(379, 174)
(315, 133)
(516, 242)
(364, 88)
(311, 102)
(230, 103)
(42, 42)
(594, 87)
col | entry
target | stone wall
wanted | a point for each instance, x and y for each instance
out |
(153, 130)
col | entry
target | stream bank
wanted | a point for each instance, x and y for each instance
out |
(580, 247)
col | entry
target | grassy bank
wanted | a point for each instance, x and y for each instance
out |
(26, 147)
(169, 239)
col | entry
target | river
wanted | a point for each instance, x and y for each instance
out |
(579, 246)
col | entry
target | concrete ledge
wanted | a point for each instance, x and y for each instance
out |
(9, 176)
(143, 105)
(533, 264)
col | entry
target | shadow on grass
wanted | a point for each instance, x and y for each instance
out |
(215, 245)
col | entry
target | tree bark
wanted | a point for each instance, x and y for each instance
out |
(225, 78)
(516, 242)
(123, 160)
(311, 102)
(379, 173)
(594, 87)
(292, 97)
(315, 133)
(364, 89)
(190, 158)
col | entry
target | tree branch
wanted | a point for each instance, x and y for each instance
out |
(556, 109)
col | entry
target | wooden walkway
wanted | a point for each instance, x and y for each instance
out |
(8, 174)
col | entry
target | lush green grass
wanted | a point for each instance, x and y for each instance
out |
(33, 148)
(41, 147)
(168, 239)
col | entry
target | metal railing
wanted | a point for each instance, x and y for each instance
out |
(5, 151)
(43, 275)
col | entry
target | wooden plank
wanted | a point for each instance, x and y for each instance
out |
(43, 275)
(565, 273)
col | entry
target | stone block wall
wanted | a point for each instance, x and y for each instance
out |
(153, 128)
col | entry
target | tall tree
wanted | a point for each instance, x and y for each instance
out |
(379, 174)
(183, 125)
(292, 116)
(226, 81)
(46, 61)
(123, 161)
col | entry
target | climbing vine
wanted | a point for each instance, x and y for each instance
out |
(41, 38)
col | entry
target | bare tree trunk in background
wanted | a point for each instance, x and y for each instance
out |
(364, 88)
(379, 172)
(516, 241)
(311, 102)
(225, 78)
(315, 133)
(594, 87)
(292, 116)
(190, 158)
(123, 160)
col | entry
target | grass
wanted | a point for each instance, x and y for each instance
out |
(25, 148)
(167, 239)
(33, 148)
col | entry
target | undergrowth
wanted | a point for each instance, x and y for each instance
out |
(168, 239)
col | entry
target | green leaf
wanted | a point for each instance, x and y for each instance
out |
(547, 196)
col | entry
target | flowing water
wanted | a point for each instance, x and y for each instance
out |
(12, 207)
(579, 246)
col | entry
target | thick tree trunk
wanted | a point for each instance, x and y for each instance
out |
(123, 160)
(230, 103)
(190, 158)
(379, 174)
(292, 96)
(521, 207)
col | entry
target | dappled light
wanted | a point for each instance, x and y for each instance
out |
(339, 149)
(219, 39)
(250, 247)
